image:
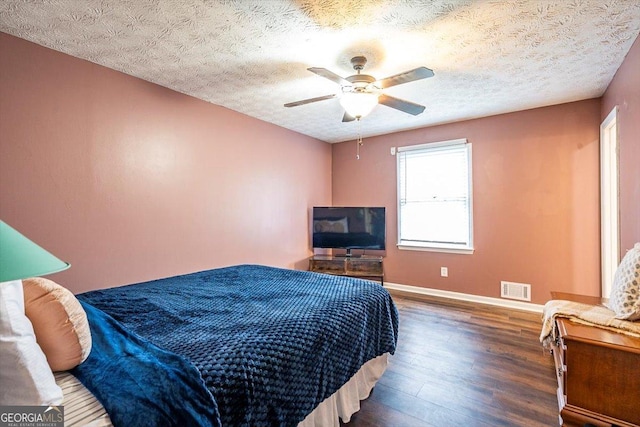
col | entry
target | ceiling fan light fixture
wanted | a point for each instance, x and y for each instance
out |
(357, 103)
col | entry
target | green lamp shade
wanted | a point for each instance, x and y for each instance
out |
(21, 258)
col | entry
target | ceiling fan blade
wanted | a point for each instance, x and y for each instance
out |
(323, 72)
(401, 104)
(310, 100)
(406, 77)
(347, 118)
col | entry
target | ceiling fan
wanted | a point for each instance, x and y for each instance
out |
(361, 92)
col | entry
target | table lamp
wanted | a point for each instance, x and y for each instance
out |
(24, 371)
(21, 258)
(25, 374)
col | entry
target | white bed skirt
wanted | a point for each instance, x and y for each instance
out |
(81, 408)
(346, 401)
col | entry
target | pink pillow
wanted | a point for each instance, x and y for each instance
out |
(59, 322)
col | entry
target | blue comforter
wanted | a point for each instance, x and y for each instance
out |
(270, 344)
(141, 384)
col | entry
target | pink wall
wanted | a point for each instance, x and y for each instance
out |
(536, 201)
(130, 181)
(624, 91)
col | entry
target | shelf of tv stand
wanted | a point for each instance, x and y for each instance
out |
(364, 267)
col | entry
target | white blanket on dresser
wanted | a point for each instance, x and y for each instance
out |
(593, 315)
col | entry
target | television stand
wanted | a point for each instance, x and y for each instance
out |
(364, 267)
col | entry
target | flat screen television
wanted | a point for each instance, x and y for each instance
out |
(349, 228)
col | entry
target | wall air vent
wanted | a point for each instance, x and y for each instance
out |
(513, 290)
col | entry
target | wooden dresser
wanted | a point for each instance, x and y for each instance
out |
(598, 373)
(366, 267)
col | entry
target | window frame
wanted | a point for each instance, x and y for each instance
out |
(436, 246)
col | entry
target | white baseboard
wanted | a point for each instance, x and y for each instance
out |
(518, 305)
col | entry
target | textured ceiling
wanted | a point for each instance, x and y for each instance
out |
(251, 56)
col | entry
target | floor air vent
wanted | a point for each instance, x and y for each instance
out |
(513, 290)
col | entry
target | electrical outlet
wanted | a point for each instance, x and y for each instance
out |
(444, 272)
(393, 151)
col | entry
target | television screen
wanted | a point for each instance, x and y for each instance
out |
(349, 228)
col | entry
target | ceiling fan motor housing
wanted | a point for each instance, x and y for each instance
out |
(361, 80)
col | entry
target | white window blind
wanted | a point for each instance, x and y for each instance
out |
(434, 195)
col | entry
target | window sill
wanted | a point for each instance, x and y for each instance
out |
(436, 248)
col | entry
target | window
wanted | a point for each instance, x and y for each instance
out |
(434, 197)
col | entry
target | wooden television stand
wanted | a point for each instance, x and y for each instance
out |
(364, 267)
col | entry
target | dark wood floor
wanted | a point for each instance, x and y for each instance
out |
(463, 364)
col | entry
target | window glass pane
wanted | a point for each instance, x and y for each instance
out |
(439, 222)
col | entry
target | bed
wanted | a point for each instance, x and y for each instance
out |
(238, 346)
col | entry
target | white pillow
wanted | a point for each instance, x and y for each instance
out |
(24, 372)
(625, 291)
